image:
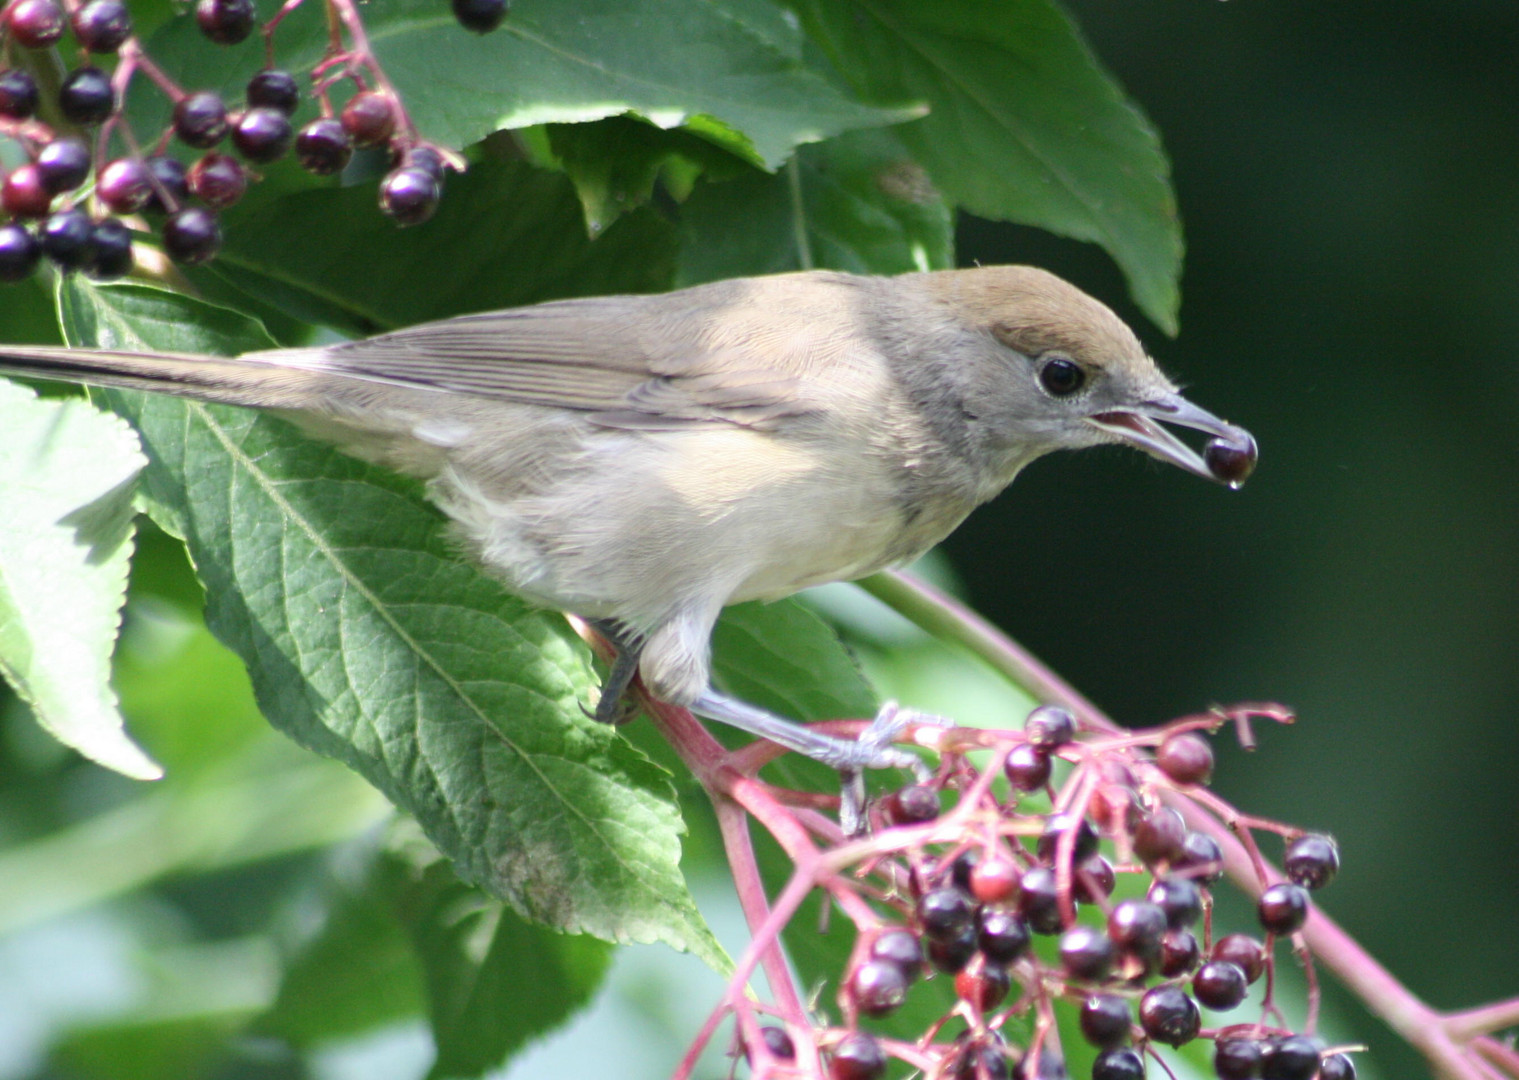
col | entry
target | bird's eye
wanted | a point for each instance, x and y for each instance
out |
(1061, 377)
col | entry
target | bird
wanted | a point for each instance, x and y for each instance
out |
(643, 461)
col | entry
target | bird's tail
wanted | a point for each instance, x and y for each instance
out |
(225, 380)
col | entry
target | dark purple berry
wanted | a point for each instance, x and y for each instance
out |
(275, 89)
(18, 94)
(1313, 860)
(1083, 844)
(1086, 953)
(857, 1057)
(63, 164)
(945, 913)
(323, 147)
(225, 22)
(778, 1042)
(200, 119)
(1337, 1067)
(1186, 758)
(985, 1058)
(1049, 727)
(1283, 908)
(878, 987)
(65, 238)
(1039, 900)
(950, 955)
(36, 24)
(1219, 985)
(1169, 1016)
(1295, 1057)
(1136, 926)
(1237, 1059)
(262, 135)
(102, 25)
(1231, 462)
(964, 863)
(1202, 857)
(125, 185)
(1123, 1064)
(994, 880)
(19, 252)
(1158, 836)
(1244, 952)
(24, 194)
(1027, 768)
(427, 159)
(218, 180)
(1105, 1020)
(86, 96)
(1093, 877)
(192, 235)
(911, 805)
(111, 250)
(1179, 953)
(171, 183)
(899, 947)
(369, 117)
(984, 985)
(1179, 898)
(409, 196)
(1002, 935)
(481, 16)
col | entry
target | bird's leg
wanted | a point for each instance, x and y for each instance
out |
(613, 707)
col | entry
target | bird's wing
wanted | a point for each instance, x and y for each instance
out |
(581, 355)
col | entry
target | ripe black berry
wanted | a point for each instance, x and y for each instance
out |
(984, 1058)
(857, 1057)
(111, 250)
(125, 185)
(983, 985)
(899, 947)
(481, 16)
(63, 164)
(86, 96)
(1186, 758)
(1219, 985)
(1179, 953)
(1039, 900)
(1201, 855)
(945, 913)
(200, 119)
(262, 134)
(1002, 936)
(409, 196)
(1158, 836)
(1179, 899)
(1237, 1059)
(171, 184)
(1313, 860)
(102, 25)
(1337, 1067)
(1231, 462)
(1137, 926)
(65, 238)
(1244, 952)
(1086, 953)
(1105, 1020)
(1093, 877)
(24, 194)
(192, 235)
(1295, 1057)
(1283, 908)
(369, 117)
(323, 147)
(427, 159)
(275, 89)
(964, 863)
(911, 805)
(218, 180)
(19, 252)
(1169, 1016)
(952, 954)
(18, 94)
(1121, 1064)
(36, 23)
(1084, 843)
(878, 987)
(225, 22)
(1027, 768)
(778, 1043)
(994, 880)
(1049, 727)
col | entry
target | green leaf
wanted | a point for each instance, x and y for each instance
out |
(857, 202)
(368, 641)
(782, 657)
(67, 473)
(1023, 123)
(677, 63)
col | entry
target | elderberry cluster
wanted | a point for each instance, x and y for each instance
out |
(177, 180)
(972, 904)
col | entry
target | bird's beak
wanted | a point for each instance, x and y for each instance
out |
(1228, 458)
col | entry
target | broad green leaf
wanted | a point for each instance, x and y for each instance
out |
(1023, 123)
(857, 202)
(677, 63)
(67, 473)
(369, 641)
(782, 657)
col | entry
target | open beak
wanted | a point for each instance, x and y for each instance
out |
(1228, 458)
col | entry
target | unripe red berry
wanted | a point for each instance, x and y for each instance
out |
(369, 117)
(36, 24)
(1186, 758)
(24, 194)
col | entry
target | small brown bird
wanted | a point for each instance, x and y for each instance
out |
(643, 461)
